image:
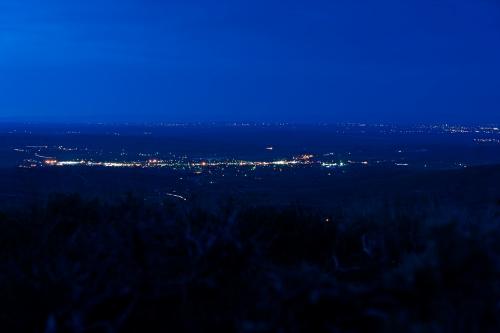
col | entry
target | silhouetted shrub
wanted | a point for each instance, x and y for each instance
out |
(88, 266)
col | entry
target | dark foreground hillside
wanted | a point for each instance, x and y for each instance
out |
(77, 265)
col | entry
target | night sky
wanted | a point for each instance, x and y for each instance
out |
(256, 60)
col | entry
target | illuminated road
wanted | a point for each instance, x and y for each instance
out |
(176, 196)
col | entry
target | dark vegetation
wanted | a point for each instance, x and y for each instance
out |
(404, 265)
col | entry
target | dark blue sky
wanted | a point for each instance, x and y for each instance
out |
(347, 60)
